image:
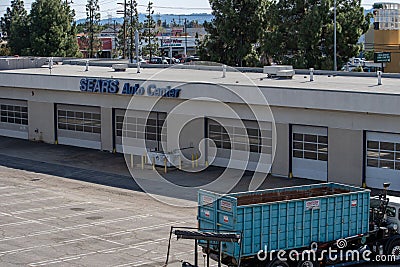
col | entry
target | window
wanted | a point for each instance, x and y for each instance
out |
(248, 138)
(382, 154)
(79, 121)
(310, 146)
(154, 129)
(14, 114)
(391, 211)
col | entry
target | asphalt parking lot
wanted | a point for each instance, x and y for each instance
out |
(64, 206)
(46, 220)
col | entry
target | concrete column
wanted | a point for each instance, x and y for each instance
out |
(280, 165)
(345, 156)
(106, 129)
(41, 121)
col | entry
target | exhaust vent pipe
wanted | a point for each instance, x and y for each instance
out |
(311, 74)
(379, 77)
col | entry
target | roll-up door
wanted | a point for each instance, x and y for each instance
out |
(14, 118)
(310, 152)
(382, 160)
(79, 126)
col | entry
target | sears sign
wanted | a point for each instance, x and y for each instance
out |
(112, 86)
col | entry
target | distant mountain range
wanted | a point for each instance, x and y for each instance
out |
(168, 18)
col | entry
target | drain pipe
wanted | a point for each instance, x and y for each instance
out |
(379, 77)
(311, 74)
(223, 71)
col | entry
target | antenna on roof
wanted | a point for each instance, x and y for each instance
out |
(50, 64)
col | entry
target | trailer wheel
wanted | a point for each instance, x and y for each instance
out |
(308, 263)
(394, 249)
(277, 263)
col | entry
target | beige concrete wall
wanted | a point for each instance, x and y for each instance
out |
(106, 129)
(280, 165)
(41, 121)
(345, 156)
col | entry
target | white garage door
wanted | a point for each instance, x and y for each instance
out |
(14, 118)
(139, 126)
(79, 126)
(310, 152)
(383, 160)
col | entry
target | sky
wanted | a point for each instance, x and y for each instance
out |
(109, 7)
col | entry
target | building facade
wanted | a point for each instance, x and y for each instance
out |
(337, 129)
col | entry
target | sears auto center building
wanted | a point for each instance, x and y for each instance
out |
(335, 128)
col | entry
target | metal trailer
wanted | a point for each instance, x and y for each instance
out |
(293, 218)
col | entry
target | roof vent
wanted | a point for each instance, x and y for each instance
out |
(120, 67)
(279, 71)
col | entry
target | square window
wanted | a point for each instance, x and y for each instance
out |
(323, 156)
(87, 129)
(323, 148)
(226, 145)
(120, 119)
(387, 155)
(218, 144)
(119, 133)
(9, 107)
(310, 147)
(79, 115)
(17, 115)
(4, 113)
(310, 138)
(151, 122)
(70, 113)
(255, 149)
(3, 107)
(322, 139)
(387, 146)
(253, 132)
(87, 115)
(150, 136)
(298, 154)
(17, 108)
(298, 137)
(24, 109)
(298, 145)
(371, 162)
(62, 113)
(3, 119)
(97, 130)
(79, 128)
(373, 145)
(24, 121)
(24, 115)
(71, 127)
(17, 121)
(310, 155)
(62, 126)
(96, 116)
(215, 128)
(10, 120)
(386, 164)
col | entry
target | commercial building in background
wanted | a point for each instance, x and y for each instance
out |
(386, 34)
(336, 128)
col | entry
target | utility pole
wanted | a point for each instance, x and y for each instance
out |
(91, 34)
(185, 48)
(131, 33)
(124, 28)
(115, 37)
(149, 29)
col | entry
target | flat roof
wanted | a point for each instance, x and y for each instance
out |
(188, 74)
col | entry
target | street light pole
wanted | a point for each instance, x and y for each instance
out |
(334, 37)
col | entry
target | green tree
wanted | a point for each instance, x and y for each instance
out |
(52, 30)
(300, 33)
(15, 26)
(93, 26)
(149, 33)
(236, 27)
